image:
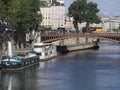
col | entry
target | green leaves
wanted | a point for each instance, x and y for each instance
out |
(3, 10)
(21, 15)
(77, 10)
(91, 13)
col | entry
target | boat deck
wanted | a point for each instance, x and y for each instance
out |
(21, 53)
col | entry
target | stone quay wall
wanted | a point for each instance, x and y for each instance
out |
(74, 44)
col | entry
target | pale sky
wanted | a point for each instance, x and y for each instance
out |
(106, 7)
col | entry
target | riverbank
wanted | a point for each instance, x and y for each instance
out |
(75, 44)
(71, 48)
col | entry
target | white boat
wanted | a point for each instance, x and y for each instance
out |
(45, 50)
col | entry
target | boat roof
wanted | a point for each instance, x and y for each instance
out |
(22, 51)
(42, 44)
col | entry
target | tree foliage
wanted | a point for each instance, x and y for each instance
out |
(83, 11)
(91, 14)
(76, 10)
(20, 15)
(2, 10)
(24, 14)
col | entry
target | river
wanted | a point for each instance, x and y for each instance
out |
(79, 70)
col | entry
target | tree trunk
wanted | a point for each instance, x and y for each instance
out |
(76, 26)
(87, 27)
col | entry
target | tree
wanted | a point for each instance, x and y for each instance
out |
(21, 15)
(83, 11)
(3, 9)
(91, 16)
(24, 14)
(2, 6)
(24, 17)
(3, 19)
(76, 10)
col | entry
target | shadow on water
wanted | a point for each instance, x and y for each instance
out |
(25, 79)
(17, 80)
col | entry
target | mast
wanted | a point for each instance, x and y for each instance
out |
(9, 51)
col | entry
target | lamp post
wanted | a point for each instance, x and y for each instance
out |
(118, 28)
(110, 26)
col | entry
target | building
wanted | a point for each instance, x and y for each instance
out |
(69, 23)
(53, 14)
(109, 23)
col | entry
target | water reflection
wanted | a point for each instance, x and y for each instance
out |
(17, 80)
(47, 63)
(28, 79)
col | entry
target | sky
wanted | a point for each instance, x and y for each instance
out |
(106, 7)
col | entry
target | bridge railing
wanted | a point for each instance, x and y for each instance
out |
(57, 36)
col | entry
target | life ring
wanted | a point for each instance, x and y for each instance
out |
(7, 63)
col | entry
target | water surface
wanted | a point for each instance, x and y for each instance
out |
(80, 70)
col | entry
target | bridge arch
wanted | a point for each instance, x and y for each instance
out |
(101, 36)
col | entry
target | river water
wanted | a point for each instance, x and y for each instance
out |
(80, 70)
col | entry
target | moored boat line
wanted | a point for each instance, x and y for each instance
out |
(18, 60)
(22, 59)
(41, 52)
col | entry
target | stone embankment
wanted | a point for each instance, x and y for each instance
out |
(74, 44)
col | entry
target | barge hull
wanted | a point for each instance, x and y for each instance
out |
(18, 69)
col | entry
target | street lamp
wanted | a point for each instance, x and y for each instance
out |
(118, 28)
(110, 26)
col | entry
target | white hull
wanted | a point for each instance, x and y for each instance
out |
(47, 58)
(45, 50)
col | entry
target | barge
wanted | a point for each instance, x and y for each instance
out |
(23, 60)
(18, 60)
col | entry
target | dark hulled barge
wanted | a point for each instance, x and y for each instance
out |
(23, 60)
(18, 60)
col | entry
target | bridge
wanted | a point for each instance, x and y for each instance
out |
(50, 37)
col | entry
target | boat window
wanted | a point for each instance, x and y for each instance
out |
(4, 57)
(46, 54)
(21, 54)
(14, 63)
(39, 54)
(37, 46)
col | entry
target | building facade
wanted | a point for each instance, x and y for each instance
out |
(53, 14)
(109, 23)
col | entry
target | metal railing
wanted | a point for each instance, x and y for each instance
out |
(50, 37)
